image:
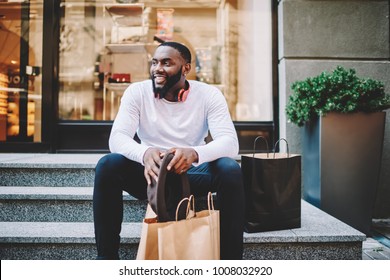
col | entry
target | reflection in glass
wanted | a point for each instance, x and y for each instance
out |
(20, 67)
(106, 45)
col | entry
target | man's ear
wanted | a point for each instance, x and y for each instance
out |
(187, 68)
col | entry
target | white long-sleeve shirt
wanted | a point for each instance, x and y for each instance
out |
(164, 124)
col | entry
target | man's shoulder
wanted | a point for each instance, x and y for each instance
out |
(138, 91)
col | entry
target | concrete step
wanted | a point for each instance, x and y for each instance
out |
(320, 237)
(58, 204)
(54, 170)
(59, 241)
(46, 213)
(62, 204)
(50, 170)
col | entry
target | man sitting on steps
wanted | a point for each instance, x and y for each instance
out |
(170, 113)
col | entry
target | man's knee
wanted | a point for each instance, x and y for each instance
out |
(109, 162)
(229, 175)
(228, 166)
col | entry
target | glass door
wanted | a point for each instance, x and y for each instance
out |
(20, 71)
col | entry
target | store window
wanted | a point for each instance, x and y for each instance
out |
(106, 45)
(20, 71)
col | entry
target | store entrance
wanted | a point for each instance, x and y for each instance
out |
(20, 72)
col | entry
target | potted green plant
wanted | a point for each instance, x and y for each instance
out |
(343, 119)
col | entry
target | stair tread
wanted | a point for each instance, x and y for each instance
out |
(317, 226)
(47, 193)
(89, 161)
(59, 232)
(8, 160)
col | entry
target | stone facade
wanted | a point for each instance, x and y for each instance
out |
(315, 36)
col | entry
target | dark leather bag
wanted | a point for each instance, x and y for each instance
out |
(164, 195)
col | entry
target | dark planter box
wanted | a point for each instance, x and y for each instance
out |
(341, 161)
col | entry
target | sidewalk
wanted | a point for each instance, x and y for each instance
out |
(373, 250)
(377, 247)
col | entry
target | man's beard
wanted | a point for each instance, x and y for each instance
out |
(171, 81)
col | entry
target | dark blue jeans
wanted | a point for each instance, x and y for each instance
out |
(115, 173)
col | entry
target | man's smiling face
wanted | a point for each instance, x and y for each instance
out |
(166, 70)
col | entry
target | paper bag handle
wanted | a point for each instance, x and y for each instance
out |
(191, 205)
(210, 201)
(191, 202)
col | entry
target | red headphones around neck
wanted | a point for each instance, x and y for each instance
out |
(182, 95)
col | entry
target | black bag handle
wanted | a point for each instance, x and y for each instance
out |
(266, 142)
(157, 192)
(254, 144)
(288, 152)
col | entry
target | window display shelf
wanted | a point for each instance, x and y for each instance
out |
(127, 48)
(126, 25)
(13, 90)
(117, 86)
(126, 14)
(182, 3)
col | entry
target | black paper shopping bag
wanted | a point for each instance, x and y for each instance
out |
(272, 184)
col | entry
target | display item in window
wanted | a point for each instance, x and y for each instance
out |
(119, 78)
(165, 24)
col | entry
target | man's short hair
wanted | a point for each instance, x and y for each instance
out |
(183, 50)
